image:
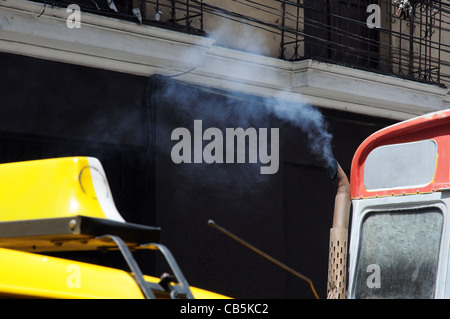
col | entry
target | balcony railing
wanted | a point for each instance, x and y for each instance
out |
(407, 43)
(412, 44)
(170, 14)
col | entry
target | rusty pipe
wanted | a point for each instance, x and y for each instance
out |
(342, 200)
(337, 264)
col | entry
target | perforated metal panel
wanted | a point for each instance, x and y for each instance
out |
(337, 268)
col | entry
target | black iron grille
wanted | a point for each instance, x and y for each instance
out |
(413, 43)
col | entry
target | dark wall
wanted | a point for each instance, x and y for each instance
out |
(53, 109)
(288, 214)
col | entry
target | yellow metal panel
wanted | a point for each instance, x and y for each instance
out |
(205, 294)
(31, 275)
(53, 188)
(47, 188)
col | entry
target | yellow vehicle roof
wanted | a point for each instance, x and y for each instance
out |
(30, 275)
(59, 187)
(65, 204)
(61, 204)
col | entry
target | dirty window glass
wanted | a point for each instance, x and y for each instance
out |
(401, 165)
(398, 254)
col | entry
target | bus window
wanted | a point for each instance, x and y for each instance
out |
(404, 246)
(401, 165)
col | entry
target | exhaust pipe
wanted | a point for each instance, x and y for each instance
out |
(337, 263)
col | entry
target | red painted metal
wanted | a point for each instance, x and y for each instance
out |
(434, 126)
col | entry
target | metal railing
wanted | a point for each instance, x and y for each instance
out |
(170, 14)
(407, 44)
(412, 44)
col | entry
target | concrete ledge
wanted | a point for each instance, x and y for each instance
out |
(128, 47)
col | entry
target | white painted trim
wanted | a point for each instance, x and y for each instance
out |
(102, 190)
(374, 205)
(128, 47)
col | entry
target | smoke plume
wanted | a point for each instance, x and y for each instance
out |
(310, 121)
(299, 114)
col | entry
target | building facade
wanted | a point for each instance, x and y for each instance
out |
(152, 89)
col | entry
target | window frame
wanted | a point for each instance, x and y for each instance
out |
(363, 207)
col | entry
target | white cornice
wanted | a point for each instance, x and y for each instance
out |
(128, 47)
(100, 42)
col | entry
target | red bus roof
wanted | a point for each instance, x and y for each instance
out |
(434, 126)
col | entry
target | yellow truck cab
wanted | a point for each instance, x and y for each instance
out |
(66, 205)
